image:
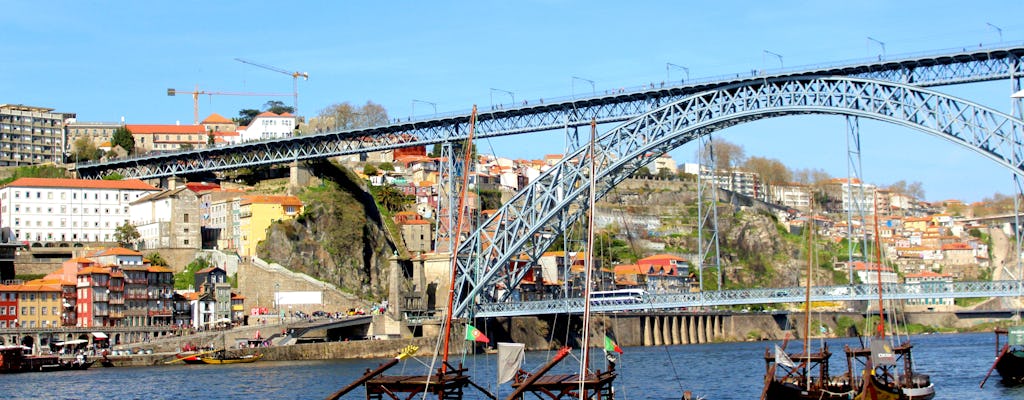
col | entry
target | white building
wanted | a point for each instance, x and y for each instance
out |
(269, 126)
(868, 273)
(167, 220)
(55, 212)
(915, 282)
(792, 195)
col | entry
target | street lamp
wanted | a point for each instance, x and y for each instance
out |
(491, 93)
(593, 88)
(998, 30)
(880, 43)
(414, 101)
(686, 70)
(779, 56)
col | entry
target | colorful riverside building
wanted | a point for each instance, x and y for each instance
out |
(66, 212)
(256, 213)
(36, 304)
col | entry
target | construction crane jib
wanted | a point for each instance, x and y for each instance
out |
(295, 79)
(195, 97)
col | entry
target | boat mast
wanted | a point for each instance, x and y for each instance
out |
(878, 259)
(589, 261)
(807, 298)
(458, 236)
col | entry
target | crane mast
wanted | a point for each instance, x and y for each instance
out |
(195, 97)
(295, 79)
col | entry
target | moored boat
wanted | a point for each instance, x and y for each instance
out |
(1009, 357)
(230, 360)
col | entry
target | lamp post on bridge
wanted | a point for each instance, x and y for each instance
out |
(880, 43)
(508, 92)
(593, 88)
(998, 30)
(669, 79)
(414, 101)
(777, 55)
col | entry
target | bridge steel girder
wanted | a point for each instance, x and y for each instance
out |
(496, 257)
(946, 68)
(863, 292)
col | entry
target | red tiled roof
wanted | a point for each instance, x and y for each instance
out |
(217, 119)
(928, 274)
(151, 129)
(126, 184)
(117, 251)
(157, 268)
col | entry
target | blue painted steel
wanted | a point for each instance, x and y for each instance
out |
(528, 224)
(945, 68)
(691, 300)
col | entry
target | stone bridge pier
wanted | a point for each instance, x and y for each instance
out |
(676, 329)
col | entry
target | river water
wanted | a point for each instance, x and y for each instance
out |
(956, 362)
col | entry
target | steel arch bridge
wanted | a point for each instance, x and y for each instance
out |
(946, 67)
(496, 257)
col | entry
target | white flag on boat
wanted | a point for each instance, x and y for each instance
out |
(781, 358)
(510, 358)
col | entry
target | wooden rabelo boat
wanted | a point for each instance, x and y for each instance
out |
(221, 359)
(804, 375)
(1009, 357)
(887, 368)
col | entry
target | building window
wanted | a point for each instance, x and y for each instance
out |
(185, 218)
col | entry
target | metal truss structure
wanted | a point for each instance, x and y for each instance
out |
(495, 259)
(930, 290)
(943, 68)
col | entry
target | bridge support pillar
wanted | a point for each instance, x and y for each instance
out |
(701, 332)
(675, 330)
(298, 177)
(692, 328)
(648, 336)
(657, 331)
(716, 328)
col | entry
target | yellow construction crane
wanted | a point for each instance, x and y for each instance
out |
(195, 98)
(295, 79)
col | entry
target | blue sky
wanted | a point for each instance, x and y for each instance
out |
(107, 60)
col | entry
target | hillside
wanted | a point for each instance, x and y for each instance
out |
(338, 238)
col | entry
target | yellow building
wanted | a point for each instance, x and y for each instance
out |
(39, 303)
(255, 215)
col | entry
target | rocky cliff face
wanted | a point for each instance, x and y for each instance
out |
(339, 237)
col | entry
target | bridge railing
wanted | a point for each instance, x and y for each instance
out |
(686, 300)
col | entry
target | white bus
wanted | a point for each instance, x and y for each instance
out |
(622, 296)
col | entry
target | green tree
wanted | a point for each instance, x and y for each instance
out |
(435, 151)
(156, 259)
(126, 235)
(386, 166)
(123, 137)
(278, 107)
(643, 172)
(113, 176)
(369, 170)
(85, 150)
(245, 116)
(391, 198)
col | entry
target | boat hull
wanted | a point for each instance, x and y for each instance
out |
(231, 360)
(921, 393)
(783, 391)
(1011, 368)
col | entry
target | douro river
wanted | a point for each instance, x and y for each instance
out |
(956, 362)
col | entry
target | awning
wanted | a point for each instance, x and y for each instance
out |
(99, 335)
(71, 342)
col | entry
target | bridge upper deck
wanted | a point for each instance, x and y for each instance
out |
(925, 69)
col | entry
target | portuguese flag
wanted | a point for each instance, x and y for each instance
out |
(475, 335)
(610, 345)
